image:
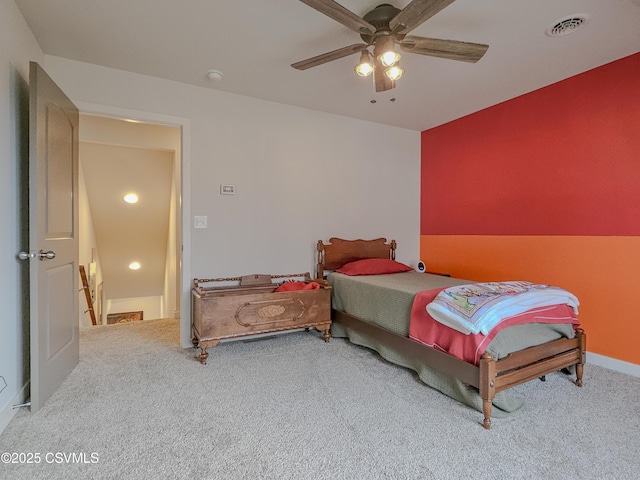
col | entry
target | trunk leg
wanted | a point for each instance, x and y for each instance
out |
(203, 355)
(327, 335)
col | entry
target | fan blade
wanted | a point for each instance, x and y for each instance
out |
(382, 82)
(341, 15)
(329, 56)
(416, 13)
(451, 49)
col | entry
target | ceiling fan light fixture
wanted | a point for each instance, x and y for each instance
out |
(389, 58)
(394, 72)
(364, 68)
(385, 51)
(385, 29)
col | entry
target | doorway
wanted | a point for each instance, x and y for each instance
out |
(125, 152)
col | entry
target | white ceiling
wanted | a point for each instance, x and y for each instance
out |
(253, 42)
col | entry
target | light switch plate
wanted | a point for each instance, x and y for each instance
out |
(199, 221)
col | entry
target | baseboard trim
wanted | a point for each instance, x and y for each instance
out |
(613, 364)
(8, 412)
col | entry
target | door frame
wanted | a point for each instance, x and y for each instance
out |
(185, 199)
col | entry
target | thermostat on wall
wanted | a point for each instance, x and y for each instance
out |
(227, 189)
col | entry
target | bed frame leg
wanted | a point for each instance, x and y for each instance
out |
(582, 342)
(487, 387)
(486, 409)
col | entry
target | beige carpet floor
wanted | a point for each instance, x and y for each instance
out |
(294, 407)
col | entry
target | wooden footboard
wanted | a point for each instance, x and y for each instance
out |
(534, 362)
(491, 376)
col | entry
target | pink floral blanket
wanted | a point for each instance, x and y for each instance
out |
(480, 307)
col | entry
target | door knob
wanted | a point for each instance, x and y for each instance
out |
(46, 255)
(42, 255)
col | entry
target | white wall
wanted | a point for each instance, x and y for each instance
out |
(87, 247)
(300, 175)
(17, 47)
(170, 305)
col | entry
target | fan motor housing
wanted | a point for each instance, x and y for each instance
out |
(379, 17)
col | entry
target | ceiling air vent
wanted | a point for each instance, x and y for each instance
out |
(567, 25)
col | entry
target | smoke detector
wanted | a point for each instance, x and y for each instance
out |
(215, 75)
(568, 25)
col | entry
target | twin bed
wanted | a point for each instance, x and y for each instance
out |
(375, 311)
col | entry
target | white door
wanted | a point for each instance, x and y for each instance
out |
(53, 235)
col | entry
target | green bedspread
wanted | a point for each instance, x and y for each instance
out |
(386, 300)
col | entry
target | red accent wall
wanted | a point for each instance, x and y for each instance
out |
(546, 187)
(563, 160)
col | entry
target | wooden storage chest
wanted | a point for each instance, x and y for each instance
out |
(235, 311)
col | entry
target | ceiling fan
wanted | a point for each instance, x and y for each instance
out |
(384, 27)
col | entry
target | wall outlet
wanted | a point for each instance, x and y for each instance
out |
(199, 221)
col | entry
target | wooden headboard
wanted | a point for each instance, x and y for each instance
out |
(338, 252)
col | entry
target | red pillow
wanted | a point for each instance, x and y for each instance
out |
(373, 266)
